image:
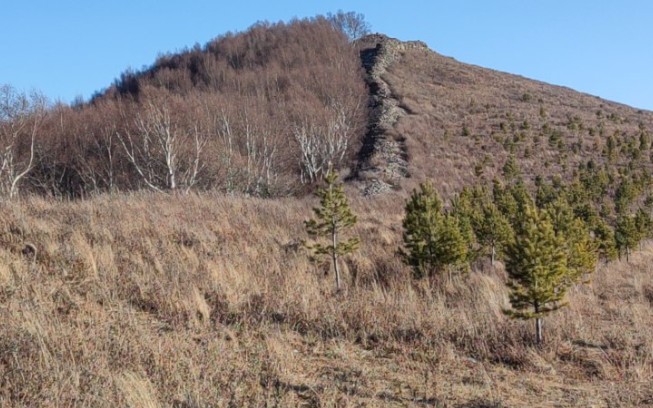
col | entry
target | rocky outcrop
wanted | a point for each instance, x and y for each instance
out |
(382, 161)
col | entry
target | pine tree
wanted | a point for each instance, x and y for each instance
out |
(536, 264)
(605, 240)
(595, 181)
(626, 235)
(544, 193)
(610, 149)
(433, 240)
(581, 250)
(511, 170)
(521, 195)
(452, 245)
(493, 231)
(503, 200)
(421, 222)
(332, 217)
(576, 194)
(644, 140)
(513, 200)
(625, 195)
(644, 225)
(467, 212)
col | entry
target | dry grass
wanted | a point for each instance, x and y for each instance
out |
(460, 116)
(198, 301)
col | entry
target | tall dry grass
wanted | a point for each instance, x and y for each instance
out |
(198, 301)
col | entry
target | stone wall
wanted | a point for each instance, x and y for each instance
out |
(383, 157)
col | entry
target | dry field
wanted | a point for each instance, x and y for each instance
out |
(202, 301)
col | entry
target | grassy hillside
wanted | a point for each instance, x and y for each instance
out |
(150, 300)
(202, 294)
(455, 123)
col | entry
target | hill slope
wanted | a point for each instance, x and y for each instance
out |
(261, 112)
(434, 117)
(265, 111)
(198, 301)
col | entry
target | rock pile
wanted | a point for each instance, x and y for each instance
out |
(383, 157)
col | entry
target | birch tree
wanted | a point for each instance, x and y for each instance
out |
(165, 154)
(21, 116)
(324, 144)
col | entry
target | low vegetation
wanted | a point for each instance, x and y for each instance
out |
(140, 300)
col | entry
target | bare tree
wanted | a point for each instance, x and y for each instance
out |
(261, 153)
(21, 115)
(166, 155)
(221, 125)
(312, 164)
(100, 173)
(350, 23)
(245, 143)
(324, 144)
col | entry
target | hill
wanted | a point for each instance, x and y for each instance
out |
(261, 112)
(265, 111)
(436, 118)
(174, 272)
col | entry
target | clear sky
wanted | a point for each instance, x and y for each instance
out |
(68, 48)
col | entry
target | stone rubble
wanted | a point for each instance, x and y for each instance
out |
(383, 159)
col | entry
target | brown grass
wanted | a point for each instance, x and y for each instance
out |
(198, 301)
(443, 97)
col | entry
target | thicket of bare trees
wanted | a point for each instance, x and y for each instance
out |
(261, 112)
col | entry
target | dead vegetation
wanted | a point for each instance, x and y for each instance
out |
(191, 301)
(463, 121)
(261, 112)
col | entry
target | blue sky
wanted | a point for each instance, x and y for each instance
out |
(68, 48)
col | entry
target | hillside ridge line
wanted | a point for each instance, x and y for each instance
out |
(383, 158)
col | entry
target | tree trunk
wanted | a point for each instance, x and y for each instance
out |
(538, 330)
(173, 182)
(334, 254)
(494, 254)
(538, 326)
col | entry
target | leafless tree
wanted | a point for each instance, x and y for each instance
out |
(166, 155)
(100, 173)
(21, 115)
(261, 153)
(325, 143)
(221, 125)
(350, 23)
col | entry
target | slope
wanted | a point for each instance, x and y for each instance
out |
(437, 118)
(200, 300)
(261, 112)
